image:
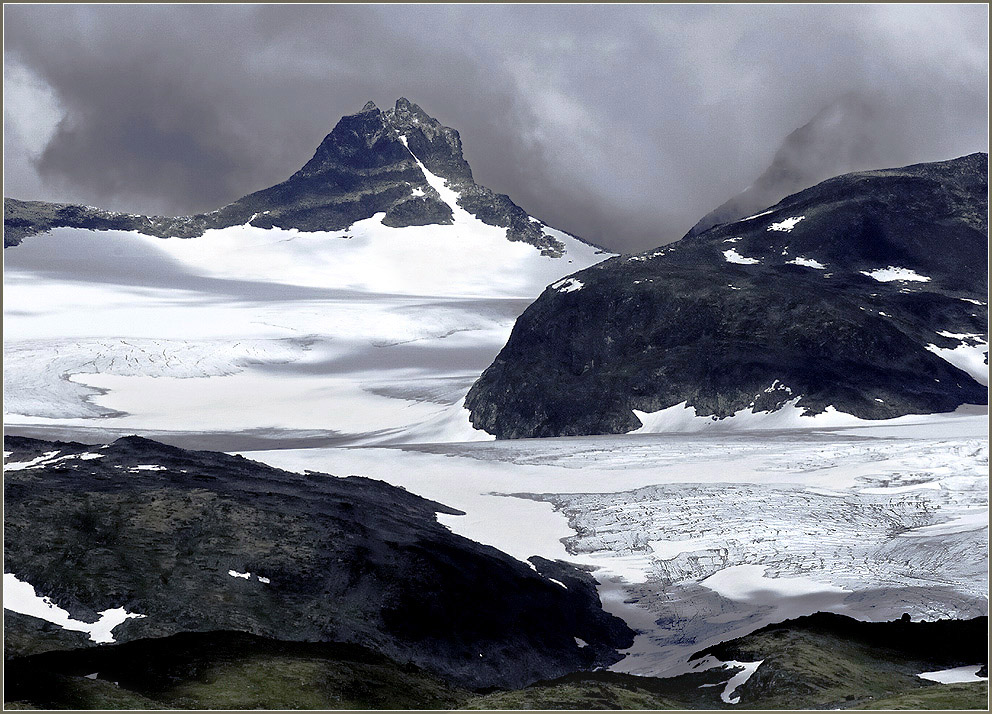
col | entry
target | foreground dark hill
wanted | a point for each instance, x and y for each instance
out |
(201, 541)
(367, 165)
(836, 297)
(823, 661)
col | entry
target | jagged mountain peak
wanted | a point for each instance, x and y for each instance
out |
(372, 162)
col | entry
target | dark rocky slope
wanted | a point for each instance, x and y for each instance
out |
(361, 168)
(346, 559)
(686, 324)
(821, 661)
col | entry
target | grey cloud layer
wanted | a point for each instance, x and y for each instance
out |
(623, 124)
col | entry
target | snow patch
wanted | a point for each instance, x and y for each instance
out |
(807, 262)
(891, 273)
(236, 574)
(756, 215)
(683, 418)
(732, 256)
(730, 686)
(786, 225)
(962, 336)
(558, 582)
(580, 642)
(148, 467)
(21, 597)
(33, 463)
(747, 669)
(956, 675)
(568, 285)
(968, 358)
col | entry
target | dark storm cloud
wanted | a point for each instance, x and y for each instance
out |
(624, 124)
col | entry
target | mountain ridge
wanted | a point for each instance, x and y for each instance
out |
(361, 168)
(847, 295)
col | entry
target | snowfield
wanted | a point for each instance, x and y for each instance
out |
(373, 334)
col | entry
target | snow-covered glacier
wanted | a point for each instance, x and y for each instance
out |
(364, 335)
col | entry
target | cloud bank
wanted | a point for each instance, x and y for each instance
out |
(621, 123)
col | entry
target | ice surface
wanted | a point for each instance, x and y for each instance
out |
(747, 583)
(732, 256)
(697, 538)
(891, 273)
(20, 597)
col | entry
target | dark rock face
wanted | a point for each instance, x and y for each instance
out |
(347, 560)
(360, 169)
(683, 323)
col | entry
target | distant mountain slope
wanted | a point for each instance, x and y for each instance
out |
(836, 141)
(865, 294)
(196, 541)
(396, 162)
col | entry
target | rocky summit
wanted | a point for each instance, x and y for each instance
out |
(865, 294)
(197, 541)
(372, 162)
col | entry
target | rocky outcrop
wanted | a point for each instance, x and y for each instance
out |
(839, 296)
(202, 541)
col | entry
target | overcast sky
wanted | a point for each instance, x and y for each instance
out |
(623, 124)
